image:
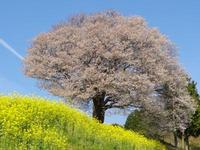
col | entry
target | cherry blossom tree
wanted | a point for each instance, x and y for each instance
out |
(110, 59)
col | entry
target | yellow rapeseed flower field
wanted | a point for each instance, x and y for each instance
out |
(34, 123)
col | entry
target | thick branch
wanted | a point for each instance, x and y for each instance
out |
(108, 99)
(114, 105)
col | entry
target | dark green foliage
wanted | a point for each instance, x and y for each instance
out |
(194, 127)
(134, 122)
(192, 89)
(139, 122)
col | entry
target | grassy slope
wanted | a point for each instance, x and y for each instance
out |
(195, 143)
(35, 123)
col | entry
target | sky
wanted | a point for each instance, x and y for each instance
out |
(22, 20)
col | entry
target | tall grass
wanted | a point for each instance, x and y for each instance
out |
(35, 123)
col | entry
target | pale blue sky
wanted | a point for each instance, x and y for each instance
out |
(21, 20)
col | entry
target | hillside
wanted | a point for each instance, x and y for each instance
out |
(36, 123)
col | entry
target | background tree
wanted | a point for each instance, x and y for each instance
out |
(112, 60)
(194, 127)
(151, 125)
(147, 125)
(138, 123)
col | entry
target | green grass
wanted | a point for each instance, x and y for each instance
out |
(37, 124)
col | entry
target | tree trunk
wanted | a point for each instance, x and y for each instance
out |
(175, 139)
(99, 106)
(187, 144)
(182, 141)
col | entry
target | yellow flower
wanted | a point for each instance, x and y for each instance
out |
(35, 123)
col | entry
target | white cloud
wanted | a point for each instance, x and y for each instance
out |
(12, 50)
